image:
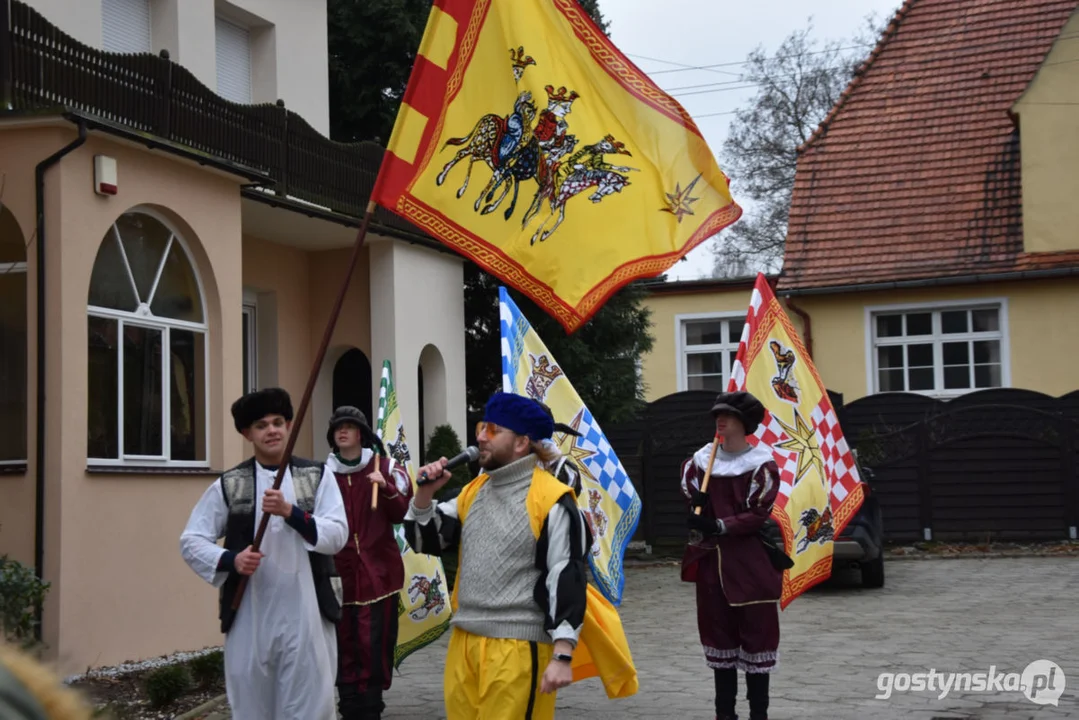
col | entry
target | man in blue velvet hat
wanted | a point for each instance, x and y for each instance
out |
(520, 596)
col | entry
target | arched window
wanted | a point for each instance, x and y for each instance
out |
(13, 417)
(147, 348)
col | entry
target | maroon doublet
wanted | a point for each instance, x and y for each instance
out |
(738, 589)
(372, 573)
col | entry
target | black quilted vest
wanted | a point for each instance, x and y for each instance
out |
(238, 486)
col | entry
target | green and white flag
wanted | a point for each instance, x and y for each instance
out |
(425, 600)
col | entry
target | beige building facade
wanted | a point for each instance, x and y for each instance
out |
(246, 51)
(173, 280)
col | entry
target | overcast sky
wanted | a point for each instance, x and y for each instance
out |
(676, 33)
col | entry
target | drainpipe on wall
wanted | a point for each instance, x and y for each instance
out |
(39, 469)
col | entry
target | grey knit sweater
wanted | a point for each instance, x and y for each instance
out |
(511, 585)
(498, 549)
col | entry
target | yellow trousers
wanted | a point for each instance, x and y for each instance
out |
(494, 679)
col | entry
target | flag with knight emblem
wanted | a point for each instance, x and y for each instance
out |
(529, 143)
(608, 499)
(820, 490)
(424, 608)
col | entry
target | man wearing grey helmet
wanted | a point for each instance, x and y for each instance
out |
(370, 566)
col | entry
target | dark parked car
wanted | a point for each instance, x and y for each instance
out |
(861, 544)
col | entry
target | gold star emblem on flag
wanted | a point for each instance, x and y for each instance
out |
(802, 439)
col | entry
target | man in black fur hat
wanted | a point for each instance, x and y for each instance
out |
(281, 645)
(738, 587)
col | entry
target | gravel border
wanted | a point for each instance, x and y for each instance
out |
(130, 667)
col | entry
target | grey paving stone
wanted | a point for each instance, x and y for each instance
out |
(947, 615)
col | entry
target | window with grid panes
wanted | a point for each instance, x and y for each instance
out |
(944, 351)
(709, 348)
(147, 350)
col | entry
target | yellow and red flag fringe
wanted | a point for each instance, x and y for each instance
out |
(820, 490)
(528, 143)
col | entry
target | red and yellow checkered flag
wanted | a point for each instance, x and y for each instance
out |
(527, 142)
(819, 490)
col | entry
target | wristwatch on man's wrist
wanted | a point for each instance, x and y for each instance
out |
(563, 657)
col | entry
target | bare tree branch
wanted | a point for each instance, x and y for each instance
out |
(797, 86)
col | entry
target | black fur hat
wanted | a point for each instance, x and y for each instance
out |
(743, 406)
(347, 414)
(254, 406)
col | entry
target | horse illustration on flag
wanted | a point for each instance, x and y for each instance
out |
(424, 612)
(608, 499)
(819, 490)
(529, 145)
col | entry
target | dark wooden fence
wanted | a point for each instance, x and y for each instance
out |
(43, 69)
(996, 464)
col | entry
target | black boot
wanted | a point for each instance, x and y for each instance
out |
(757, 695)
(372, 704)
(726, 693)
(350, 703)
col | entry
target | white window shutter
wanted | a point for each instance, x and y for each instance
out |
(233, 62)
(125, 26)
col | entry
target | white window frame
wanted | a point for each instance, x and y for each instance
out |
(682, 349)
(5, 268)
(165, 325)
(251, 309)
(1000, 304)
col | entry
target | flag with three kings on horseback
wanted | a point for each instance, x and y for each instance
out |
(529, 143)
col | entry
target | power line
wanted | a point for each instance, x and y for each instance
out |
(722, 89)
(746, 62)
(715, 114)
(676, 64)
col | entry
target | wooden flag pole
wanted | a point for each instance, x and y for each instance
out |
(708, 473)
(374, 486)
(297, 422)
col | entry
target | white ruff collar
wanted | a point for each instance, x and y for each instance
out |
(728, 464)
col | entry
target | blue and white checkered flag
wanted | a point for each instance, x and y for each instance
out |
(608, 499)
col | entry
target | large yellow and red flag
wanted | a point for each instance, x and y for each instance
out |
(820, 490)
(528, 143)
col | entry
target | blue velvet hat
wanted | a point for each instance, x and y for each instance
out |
(520, 414)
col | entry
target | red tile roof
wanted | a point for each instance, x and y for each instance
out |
(915, 173)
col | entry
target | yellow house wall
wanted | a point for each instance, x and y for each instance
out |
(1049, 136)
(1042, 341)
(659, 368)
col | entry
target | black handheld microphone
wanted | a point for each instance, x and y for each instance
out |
(470, 454)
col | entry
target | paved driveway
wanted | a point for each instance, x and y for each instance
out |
(951, 615)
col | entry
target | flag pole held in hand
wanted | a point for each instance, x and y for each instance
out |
(716, 441)
(361, 235)
(374, 486)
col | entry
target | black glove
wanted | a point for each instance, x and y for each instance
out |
(700, 499)
(702, 524)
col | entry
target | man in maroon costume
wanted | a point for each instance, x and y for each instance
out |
(737, 587)
(372, 572)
